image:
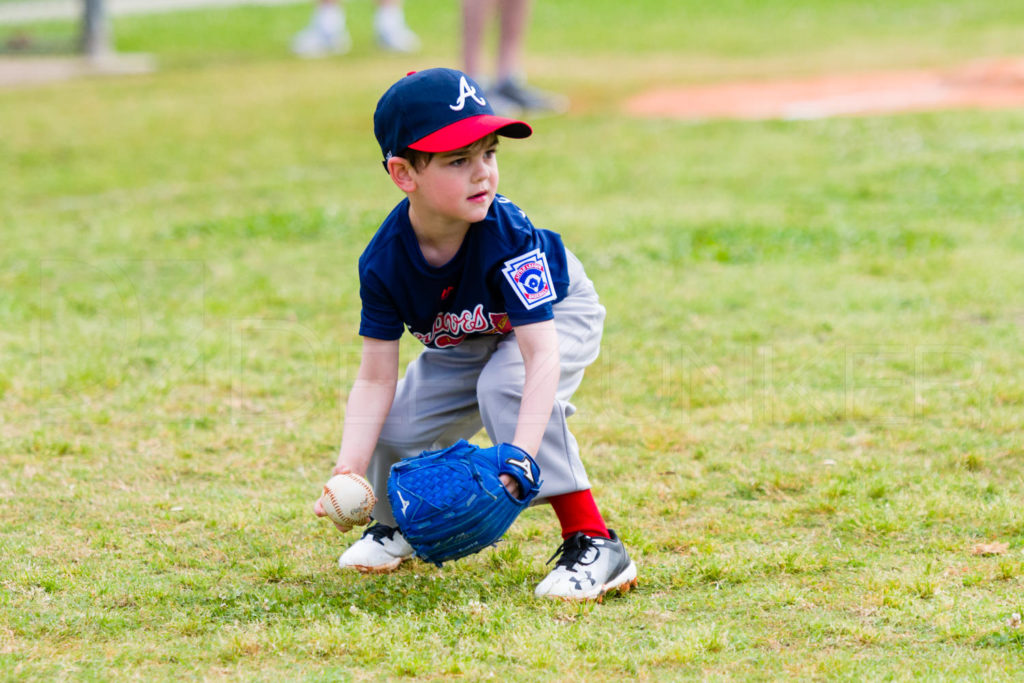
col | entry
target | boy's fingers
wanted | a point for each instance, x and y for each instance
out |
(318, 510)
(511, 484)
(318, 507)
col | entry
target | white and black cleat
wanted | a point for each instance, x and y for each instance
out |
(380, 550)
(587, 568)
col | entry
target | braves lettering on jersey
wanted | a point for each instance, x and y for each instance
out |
(506, 273)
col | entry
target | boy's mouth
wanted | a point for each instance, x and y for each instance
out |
(479, 196)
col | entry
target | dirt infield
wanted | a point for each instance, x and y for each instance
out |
(984, 84)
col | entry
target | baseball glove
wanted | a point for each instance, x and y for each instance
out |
(450, 503)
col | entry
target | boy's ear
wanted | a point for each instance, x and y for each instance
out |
(402, 173)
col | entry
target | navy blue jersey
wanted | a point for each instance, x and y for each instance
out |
(506, 273)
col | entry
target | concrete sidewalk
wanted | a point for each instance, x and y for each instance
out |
(25, 71)
(18, 71)
(47, 10)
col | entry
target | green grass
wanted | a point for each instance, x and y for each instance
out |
(806, 413)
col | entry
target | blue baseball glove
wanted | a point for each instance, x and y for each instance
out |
(450, 503)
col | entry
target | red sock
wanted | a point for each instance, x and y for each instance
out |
(577, 511)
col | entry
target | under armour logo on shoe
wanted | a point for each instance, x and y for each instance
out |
(466, 90)
(579, 581)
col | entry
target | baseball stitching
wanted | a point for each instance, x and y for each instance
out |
(337, 507)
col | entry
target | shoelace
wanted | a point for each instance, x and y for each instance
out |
(573, 549)
(379, 531)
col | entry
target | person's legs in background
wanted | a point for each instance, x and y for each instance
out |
(508, 92)
(476, 15)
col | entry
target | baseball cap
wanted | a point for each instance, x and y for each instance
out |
(437, 110)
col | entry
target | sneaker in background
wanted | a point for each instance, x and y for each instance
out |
(326, 34)
(529, 99)
(391, 31)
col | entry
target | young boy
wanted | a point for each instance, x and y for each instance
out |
(507, 315)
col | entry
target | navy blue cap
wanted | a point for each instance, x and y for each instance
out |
(437, 110)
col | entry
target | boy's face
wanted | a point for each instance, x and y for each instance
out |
(458, 185)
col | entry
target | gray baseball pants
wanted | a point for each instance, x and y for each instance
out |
(449, 394)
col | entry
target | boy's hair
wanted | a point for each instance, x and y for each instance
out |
(419, 160)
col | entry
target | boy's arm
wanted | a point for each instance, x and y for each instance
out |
(538, 343)
(369, 402)
(368, 405)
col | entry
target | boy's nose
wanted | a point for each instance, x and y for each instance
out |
(481, 169)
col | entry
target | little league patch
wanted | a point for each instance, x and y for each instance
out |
(528, 275)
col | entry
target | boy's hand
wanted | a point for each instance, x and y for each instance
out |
(511, 485)
(318, 508)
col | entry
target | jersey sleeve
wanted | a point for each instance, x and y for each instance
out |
(379, 318)
(534, 278)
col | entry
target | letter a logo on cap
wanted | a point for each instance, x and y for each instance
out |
(466, 90)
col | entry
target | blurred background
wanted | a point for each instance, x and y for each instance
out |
(806, 411)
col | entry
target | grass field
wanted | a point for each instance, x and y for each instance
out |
(805, 421)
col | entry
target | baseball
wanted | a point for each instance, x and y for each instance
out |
(348, 499)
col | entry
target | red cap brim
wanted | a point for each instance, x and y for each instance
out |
(467, 131)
